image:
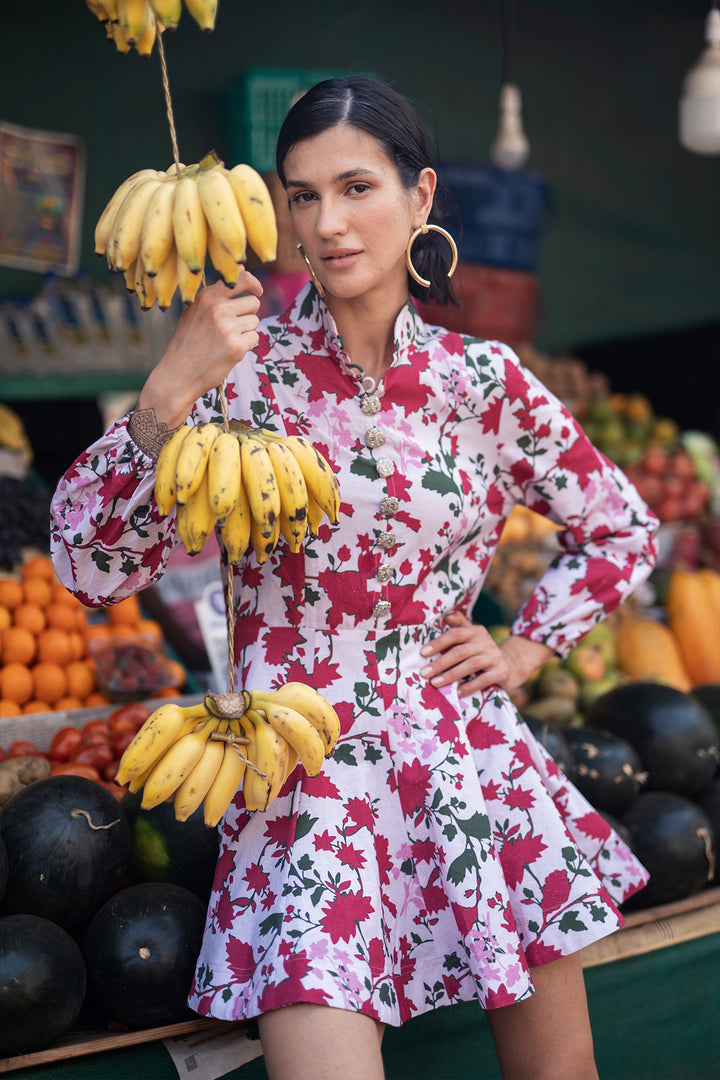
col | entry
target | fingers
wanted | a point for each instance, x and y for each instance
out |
(465, 653)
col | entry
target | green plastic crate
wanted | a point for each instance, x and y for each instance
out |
(257, 103)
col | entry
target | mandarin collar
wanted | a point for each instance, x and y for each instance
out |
(312, 311)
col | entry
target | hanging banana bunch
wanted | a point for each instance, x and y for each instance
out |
(252, 484)
(201, 754)
(136, 23)
(159, 227)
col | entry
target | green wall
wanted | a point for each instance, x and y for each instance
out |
(632, 243)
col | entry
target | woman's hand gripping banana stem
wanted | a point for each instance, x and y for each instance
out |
(466, 653)
(213, 334)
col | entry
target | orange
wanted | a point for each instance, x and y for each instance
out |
(61, 595)
(36, 706)
(67, 702)
(177, 670)
(16, 683)
(40, 566)
(37, 591)
(54, 645)
(77, 644)
(96, 699)
(81, 619)
(149, 626)
(18, 645)
(80, 678)
(125, 613)
(61, 616)
(30, 616)
(96, 630)
(49, 681)
(11, 592)
(5, 618)
(9, 708)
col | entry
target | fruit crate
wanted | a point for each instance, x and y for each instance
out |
(257, 103)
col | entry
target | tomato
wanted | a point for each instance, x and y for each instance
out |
(74, 768)
(64, 743)
(24, 748)
(110, 771)
(121, 742)
(98, 755)
(93, 738)
(129, 717)
(95, 730)
(115, 790)
(2, 754)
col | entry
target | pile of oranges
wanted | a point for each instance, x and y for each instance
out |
(45, 663)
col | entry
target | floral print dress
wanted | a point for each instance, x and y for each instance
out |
(440, 854)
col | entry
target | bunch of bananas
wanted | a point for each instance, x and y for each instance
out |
(13, 435)
(137, 23)
(254, 485)
(199, 755)
(159, 227)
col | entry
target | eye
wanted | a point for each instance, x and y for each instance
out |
(303, 197)
(358, 188)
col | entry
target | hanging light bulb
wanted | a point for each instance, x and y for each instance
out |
(511, 147)
(700, 101)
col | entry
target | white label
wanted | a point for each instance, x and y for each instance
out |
(207, 1055)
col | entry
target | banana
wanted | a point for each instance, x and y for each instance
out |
(175, 764)
(190, 224)
(292, 532)
(198, 782)
(222, 212)
(99, 10)
(256, 207)
(192, 460)
(293, 758)
(130, 275)
(188, 282)
(157, 236)
(144, 44)
(167, 12)
(144, 286)
(227, 780)
(317, 709)
(165, 492)
(235, 531)
(158, 733)
(222, 260)
(264, 545)
(260, 483)
(133, 16)
(292, 490)
(224, 476)
(166, 280)
(270, 757)
(123, 243)
(107, 218)
(297, 730)
(320, 480)
(315, 516)
(138, 781)
(117, 34)
(203, 12)
(195, 519)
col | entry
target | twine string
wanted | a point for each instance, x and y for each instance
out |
(168, 103)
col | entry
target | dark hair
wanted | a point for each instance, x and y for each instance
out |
(378, 109)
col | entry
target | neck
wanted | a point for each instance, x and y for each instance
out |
(366, 325)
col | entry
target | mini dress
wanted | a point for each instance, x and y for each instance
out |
(440, 855)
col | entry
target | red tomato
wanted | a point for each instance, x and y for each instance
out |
(64, 743)
(2, 754)
(110, 771)
(93, 738)
(97, 756)
(24, 748)
(74, 768)
(115, 790)
(95, 730)
(129, 717)
(121, 742)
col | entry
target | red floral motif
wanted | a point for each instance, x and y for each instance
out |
(344, 913)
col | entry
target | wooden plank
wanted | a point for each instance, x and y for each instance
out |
(647, 937)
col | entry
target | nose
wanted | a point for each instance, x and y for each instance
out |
(330, 221)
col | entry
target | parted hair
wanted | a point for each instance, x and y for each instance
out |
(379, 110)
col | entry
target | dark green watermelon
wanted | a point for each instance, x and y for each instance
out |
(673, 839)
(708, 694)
(552, 738)
(140, 950)
(42, 983)
(608, 770)
(165, 849)
(674, 734)
(709, 801)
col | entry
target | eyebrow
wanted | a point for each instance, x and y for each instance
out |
(348, 175)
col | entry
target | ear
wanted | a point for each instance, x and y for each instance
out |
(425, 193)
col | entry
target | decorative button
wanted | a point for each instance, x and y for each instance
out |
(381, 609)
(385, 467)
(387, 540)
(370, 405)
(385, 573)
(374, 437)
(389, 506)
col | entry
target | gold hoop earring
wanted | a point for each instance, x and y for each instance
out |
(420, 231)
(315, 279)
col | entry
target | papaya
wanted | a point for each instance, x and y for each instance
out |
(691, 617)
(711, 580)
(648, 650)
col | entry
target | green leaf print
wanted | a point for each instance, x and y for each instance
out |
(434, 480)
(364, 467)
(459, 867)
(571, 921)
(271, 924)
(345, 754)
(101, 560)
(478, 826)
(304, 824)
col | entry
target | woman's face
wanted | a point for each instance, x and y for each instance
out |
(351, 212)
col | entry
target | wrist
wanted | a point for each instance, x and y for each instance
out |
(147, 432)
(524, 656)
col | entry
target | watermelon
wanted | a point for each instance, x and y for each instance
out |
(552, 739)
(608, 770)
(165, 849)
(709, 802)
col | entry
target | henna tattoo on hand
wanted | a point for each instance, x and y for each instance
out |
(147, 433)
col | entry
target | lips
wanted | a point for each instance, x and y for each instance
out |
(339, 256)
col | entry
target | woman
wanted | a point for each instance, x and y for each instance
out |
(440, 856)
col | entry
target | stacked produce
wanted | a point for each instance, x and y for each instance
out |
(251, 484)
